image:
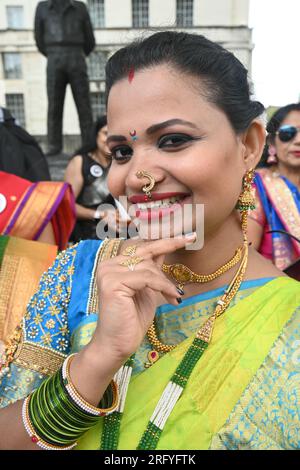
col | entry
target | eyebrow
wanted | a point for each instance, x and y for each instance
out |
(170, 122)
(152, 129)
(116, 138)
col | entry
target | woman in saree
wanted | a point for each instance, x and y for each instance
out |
(119, 330)
(277, 185)
(43, 211)
(36, 219)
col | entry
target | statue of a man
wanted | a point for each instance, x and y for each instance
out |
(64, 34)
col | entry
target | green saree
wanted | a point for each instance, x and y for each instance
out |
(243, 392)
(242, 340)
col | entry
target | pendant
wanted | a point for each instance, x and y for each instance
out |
(153, 356)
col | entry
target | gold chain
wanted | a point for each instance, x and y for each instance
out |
(206, 330)
(222, 304)
(183, 275)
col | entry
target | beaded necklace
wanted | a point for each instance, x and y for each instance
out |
(178, 381)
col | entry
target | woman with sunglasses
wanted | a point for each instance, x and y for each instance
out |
(277, 185)
(195, 343)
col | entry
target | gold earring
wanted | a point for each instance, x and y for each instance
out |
(246, 200)
(149, 186)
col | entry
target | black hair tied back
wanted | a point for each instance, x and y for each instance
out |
(225, 77)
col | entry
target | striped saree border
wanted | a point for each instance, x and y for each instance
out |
(108, 249)
(10, 226)
(59, 195)
(36, 206)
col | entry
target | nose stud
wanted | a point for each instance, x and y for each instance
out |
(150, 185)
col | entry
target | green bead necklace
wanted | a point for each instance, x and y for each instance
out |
(177, 383)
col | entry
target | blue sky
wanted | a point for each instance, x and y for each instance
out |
(275, 59)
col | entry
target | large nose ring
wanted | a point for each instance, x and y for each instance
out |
(149, 186)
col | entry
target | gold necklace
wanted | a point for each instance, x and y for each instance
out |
(184, 275)
(207, 328)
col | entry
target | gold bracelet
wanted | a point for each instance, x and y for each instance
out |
(79, 400)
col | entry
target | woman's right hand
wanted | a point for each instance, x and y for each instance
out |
(128, 299)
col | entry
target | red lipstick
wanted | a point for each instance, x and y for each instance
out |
(136, 198)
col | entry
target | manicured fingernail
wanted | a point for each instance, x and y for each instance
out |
(191, 236)
(180, 291)
(179, 300)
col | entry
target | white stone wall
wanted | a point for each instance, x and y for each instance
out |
(118, 13)
(162, 13)
(224, 21)
(221, 12)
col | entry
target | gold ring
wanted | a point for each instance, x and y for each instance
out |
(131, 262)
(148, 187)
(130, 250)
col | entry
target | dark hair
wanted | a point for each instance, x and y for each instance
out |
(224, 75)
(279, 116)
(91, 146)
(272, 127)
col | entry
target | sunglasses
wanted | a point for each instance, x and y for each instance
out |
(287, 133)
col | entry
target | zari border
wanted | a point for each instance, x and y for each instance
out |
(108, 249)
(39, 358)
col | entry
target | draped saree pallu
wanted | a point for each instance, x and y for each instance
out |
(31, 206)
(242, 339)
(22, 262)
(242, 393)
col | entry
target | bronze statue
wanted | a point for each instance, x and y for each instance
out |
(64, 34)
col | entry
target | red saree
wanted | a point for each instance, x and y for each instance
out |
(31, 206)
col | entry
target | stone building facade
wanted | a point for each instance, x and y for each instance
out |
(116, 22)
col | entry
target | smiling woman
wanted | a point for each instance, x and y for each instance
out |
(212, 326)
(277, 186)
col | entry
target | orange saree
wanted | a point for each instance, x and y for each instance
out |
(26, 208)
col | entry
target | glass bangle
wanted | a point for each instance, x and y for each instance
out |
(79, 400)
(33, 435)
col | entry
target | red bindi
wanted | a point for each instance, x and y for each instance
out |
(131, 75)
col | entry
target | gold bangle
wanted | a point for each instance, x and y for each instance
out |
(79, 400)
